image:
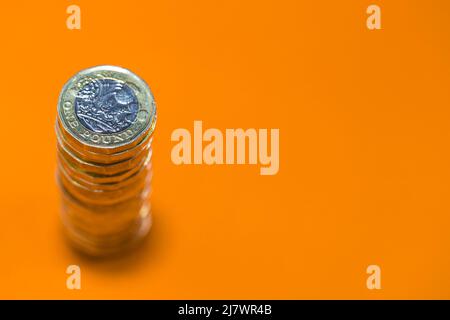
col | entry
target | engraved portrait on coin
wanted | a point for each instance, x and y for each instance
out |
(106, 106)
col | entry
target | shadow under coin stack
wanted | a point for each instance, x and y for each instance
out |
(104, 129)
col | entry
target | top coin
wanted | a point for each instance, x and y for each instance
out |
(106, 109)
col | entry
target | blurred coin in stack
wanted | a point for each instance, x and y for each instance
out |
(104, 130)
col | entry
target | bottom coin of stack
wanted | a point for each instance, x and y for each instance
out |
(105, 191)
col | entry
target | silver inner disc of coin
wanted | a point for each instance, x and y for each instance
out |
(106, 106)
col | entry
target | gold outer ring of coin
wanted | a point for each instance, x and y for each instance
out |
(101, 168)
(102, 197)
(85, 139)
(95, 210)
(109, 151)
(99, 178)
(100, 247)
(84, 224)
(114, 195)
(104, 245)
(143, 144)
(108, 222)
(108, 181)
(102, 226)
(143, 171)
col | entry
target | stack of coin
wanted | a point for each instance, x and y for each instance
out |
(104, 129)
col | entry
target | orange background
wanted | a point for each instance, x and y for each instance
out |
(364, 160)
